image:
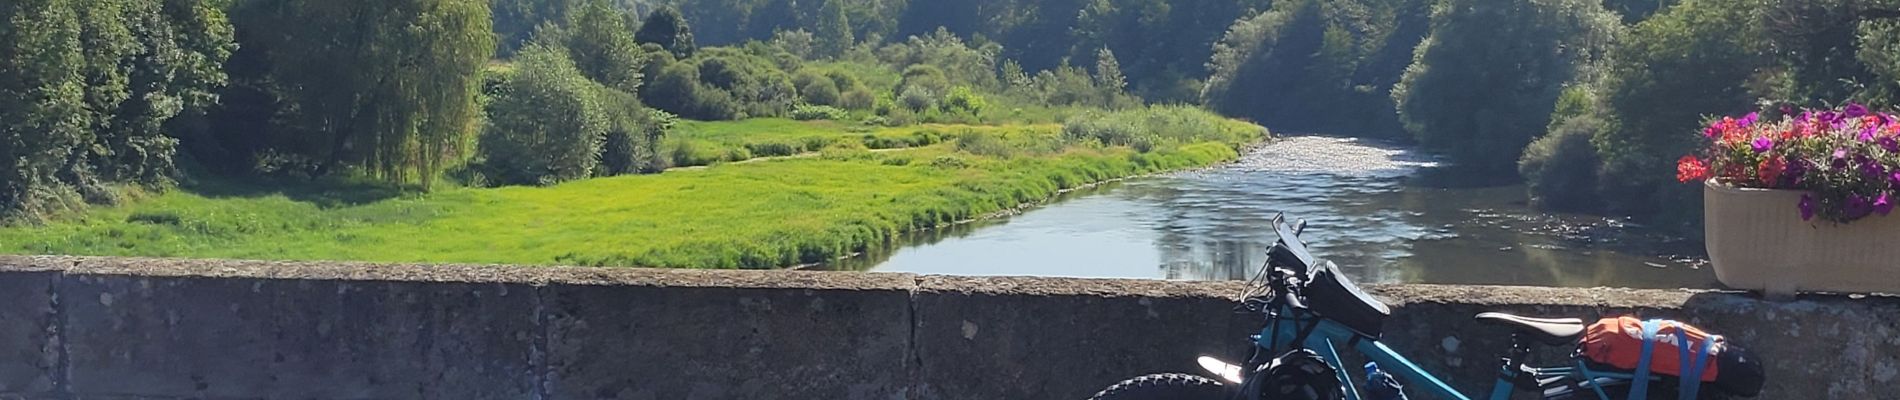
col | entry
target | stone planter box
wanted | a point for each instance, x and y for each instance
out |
(1757, 241)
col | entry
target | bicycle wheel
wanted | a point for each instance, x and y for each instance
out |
(1163, 387)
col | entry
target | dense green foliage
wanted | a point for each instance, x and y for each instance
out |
(1714, 57)
(668, 29)
(1318, 66)
(1481, 100)
(1158, 126)
(89, 90)
(387, 88)
(547, 125)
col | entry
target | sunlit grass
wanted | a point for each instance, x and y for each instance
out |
(751, 215)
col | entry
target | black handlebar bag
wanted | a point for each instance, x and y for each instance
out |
(1331, 294)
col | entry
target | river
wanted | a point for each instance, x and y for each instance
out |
(1370, 208)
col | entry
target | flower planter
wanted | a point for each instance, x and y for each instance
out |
(1758, 241)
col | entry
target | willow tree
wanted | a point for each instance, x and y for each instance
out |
(388, 86)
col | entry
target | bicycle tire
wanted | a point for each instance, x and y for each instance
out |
(1163, 387)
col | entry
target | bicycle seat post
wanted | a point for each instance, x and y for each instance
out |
(1512, 365)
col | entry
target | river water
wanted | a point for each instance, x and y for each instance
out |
(1371, 207)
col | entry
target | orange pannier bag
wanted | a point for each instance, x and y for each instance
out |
(1618, 342)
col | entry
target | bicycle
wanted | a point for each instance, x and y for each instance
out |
(1311, 308)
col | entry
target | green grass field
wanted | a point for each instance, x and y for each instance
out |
(750, 215)
(696, 143)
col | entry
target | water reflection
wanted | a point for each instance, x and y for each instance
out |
(1369, 209)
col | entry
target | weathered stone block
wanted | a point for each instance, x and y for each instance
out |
(29, 354)
(1013, 338)
(157, 333)
(729, 335)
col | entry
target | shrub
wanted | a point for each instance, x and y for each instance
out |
(918, 99)
(817, 89)
(549, 125)
(633, 139)
(771, 149)
(963, 100)
(985, 144)
(846, 151)
(1560, 169)
(949, 162)
(1157, 126)
(858, 99)
(884, 106)
(808, 112)
(844, 81)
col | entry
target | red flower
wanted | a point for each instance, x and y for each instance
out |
(1690, 169)
(1769, 171)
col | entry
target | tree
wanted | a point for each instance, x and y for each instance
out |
(515, 21)
(388, 86)
(797, 42)
(549, 125)
(175, 71)
(667, 28)
(602, 46)
(87, 104)
(42, 102)
(1108, 72)
(1317, 66)
(834, 29)
(1482, 100)
(1690, 61)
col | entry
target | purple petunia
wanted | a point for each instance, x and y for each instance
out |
(1854, 111)
(1892, 144)
(1840, 158)
(1872, 170)
(1763, 144)
(1749, 119)
(1807, 207)
(1797, 169)
(1883, 205)
(1867, 134)
(1896, 179)
(1857, 207)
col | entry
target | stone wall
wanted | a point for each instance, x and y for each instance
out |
(110, 328)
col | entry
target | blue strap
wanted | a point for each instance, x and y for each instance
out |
(1692, 381)
(1639, 385)
(1686, 385)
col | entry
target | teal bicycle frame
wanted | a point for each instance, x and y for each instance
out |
(1323, 336)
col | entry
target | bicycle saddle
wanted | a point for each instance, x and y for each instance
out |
(1550, 331)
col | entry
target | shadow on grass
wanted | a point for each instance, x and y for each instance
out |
(323, 192)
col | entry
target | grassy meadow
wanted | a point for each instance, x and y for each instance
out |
(774, 213)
